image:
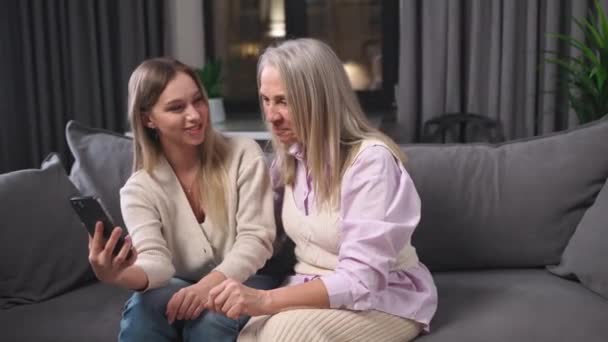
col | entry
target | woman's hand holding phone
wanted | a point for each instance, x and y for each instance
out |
(106, 265)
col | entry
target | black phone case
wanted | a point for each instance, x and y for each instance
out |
(90, 210)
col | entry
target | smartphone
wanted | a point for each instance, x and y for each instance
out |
(90, 210)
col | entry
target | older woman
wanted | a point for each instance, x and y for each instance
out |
(349, 206)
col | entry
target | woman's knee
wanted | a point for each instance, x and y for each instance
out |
(153, 302)
(215, 327)
(144, 317)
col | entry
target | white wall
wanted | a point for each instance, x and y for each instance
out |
(185, 31)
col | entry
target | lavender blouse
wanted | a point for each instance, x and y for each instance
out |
(379, 211)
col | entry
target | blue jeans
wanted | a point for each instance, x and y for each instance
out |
(143, 318)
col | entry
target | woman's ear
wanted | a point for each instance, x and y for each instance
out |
(147, 121)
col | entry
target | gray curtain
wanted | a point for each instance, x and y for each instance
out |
(484, 57)
(68, 59)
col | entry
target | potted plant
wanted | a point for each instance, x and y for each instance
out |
(210, 76)
(585, 76)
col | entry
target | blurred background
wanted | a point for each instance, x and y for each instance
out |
(410, 61)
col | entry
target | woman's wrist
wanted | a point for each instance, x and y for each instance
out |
(268, 302)
(213, 278)
(133, 278)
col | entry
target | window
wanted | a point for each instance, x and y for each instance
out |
(362, 32)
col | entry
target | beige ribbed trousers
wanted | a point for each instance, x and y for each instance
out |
(329, 325)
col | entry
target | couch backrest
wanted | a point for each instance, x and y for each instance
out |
(510, 205)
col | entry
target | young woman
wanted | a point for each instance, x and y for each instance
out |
(349, 206)
(198, 209)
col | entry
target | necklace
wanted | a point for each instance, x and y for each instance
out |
(189, 188)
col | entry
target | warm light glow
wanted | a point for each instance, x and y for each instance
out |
(357, 75)
(277, 19)
(246, 50)
(277, 30)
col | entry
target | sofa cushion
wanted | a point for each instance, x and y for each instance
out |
(515, 305)
(103, 163)
(43, 245)
(512, 205)
(586, 255)
(90, 313)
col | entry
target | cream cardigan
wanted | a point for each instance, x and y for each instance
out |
(317, 235)
(169, 240)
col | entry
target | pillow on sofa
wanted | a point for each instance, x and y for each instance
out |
(43, 245)
(103, 163)
(511, 205)
(586, 255)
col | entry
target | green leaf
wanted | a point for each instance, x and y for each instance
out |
(210, 77)
(584, 78)
(584, 111)
(599, 75)
(569, 67)
(602, 19)
(566, 59)
(591, 34)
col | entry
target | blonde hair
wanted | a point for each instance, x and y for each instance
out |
(325, 112)
(146, 84)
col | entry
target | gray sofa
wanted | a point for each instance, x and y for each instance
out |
(516, 236)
